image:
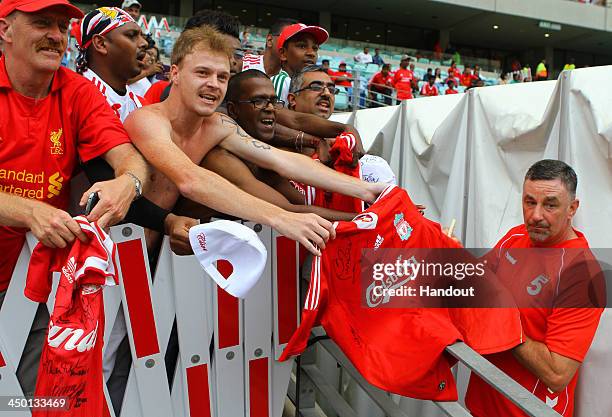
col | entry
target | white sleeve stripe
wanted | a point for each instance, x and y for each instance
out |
(504, 242)
(318, 287)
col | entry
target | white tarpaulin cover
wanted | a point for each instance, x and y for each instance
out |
(465, 156)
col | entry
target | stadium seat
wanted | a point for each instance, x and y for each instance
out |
(423, 61)
(360, 67)
(372, 68)
(342, 99)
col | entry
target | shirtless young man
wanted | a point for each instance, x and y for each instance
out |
(176, 134)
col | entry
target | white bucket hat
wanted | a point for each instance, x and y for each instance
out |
(235, 243)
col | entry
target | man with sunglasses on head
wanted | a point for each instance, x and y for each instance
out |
(229, 26)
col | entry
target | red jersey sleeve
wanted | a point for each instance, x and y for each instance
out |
(570, 331)
(98, 129)
(153, 94)
(396, 78)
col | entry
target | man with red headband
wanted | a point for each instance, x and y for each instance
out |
(51, 118)
(111, 52)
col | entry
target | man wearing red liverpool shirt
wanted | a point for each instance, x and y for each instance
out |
(403, 79)
(382, 83)
(429, 89)
(451, 87)
(51, 118)
(557, 339)
(466, 77)
(341, 77)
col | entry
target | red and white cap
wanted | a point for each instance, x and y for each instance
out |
(320, 34)
(235, 243)
(30, 6)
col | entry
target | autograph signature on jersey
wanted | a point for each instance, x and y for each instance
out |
(391, 282)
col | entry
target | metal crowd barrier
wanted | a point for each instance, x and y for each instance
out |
(240, 375)
(311, 385)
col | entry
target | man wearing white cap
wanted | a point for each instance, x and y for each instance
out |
(50, 119)
(132, 7)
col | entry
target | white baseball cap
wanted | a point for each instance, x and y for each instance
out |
(235, 243)
(130, 3)
(376, 169)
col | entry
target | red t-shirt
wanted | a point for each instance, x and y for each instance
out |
(451, 91)
(402, 81)
(42, 141)
(153, 94)
(335, 74)
(380, 80)
(429, 90)
(566, 331)
(466, 79)
(452, 72)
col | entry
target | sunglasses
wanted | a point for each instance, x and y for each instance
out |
(239, 53)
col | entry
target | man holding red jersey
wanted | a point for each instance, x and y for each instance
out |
(51, 118)
(556, 339)
(403, 80)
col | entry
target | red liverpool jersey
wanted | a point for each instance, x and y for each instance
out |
(566, 331)
(71, 360)
(402, 81)
(397, 349)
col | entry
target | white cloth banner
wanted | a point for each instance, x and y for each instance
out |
(465, 156)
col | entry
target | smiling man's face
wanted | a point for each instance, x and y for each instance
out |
(319, 103)
(38, 40)
(257, 122)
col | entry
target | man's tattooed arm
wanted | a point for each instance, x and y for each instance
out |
(229, 121)
(243, 135)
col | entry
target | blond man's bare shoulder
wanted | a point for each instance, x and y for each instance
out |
(148, 121)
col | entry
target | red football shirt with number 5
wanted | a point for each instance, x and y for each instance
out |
(565, 331)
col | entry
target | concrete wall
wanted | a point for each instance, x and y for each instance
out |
(558, 11)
